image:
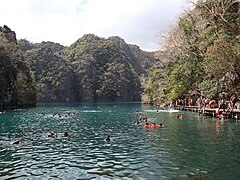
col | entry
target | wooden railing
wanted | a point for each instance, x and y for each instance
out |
(235, 113)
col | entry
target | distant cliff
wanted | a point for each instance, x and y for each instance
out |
(91, 69)
(16, 83)
(54, 76)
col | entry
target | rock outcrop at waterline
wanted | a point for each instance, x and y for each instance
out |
(16, 83)
(91, 69)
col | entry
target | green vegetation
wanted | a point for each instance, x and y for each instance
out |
(201, 53)
(53, 74)
(91, 69)
(16, 82)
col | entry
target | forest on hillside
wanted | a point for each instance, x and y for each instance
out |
(16, 82)
(201, 54)
(92, 69)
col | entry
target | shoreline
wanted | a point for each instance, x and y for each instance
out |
(234, 114)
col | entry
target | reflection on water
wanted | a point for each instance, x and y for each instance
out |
(192, 147)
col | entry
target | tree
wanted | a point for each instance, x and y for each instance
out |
(202, 51)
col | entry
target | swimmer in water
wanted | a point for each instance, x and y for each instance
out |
(108, 138)
(146, 126)
(145, 119)
(161, 125)
(65, 134)
(154, 125)
(52, 134)
(10, 142)
(180, 116)
(15, 142)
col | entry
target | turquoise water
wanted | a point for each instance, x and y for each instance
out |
(195, 147)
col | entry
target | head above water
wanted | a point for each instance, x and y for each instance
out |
(52, 134)
(66, 134)
(161, 125)
(108, 138)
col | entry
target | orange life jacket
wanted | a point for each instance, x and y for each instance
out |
(146, 126)
(154, 126)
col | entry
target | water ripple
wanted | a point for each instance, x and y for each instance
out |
(181, 148)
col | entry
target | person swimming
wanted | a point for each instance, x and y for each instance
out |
(160, 125)
(8, 142)
(65, 134)
(14, 142)
(145, 119)
(180, 116)
(154, 125)
(146, 126)
(52, 134)
(108, 139)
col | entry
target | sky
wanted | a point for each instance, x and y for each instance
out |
(138, 22)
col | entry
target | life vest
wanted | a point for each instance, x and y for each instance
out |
(154, 126)
(146, 126)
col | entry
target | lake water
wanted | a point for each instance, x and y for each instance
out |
(195, 147)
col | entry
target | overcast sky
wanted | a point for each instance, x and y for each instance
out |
(64, 21)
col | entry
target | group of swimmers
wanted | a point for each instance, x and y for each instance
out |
(61, 115)
(52, 134)
(142, 119)
(153, 126)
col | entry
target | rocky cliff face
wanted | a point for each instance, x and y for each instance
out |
(54, 76)
(91, 69)
(16, 83)
(140, 60)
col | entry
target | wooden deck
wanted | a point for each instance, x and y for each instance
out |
(209, 112)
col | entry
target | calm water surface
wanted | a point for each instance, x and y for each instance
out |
(195, 147)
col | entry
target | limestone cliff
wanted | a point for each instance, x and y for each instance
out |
(16, 83)
(91, 69)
